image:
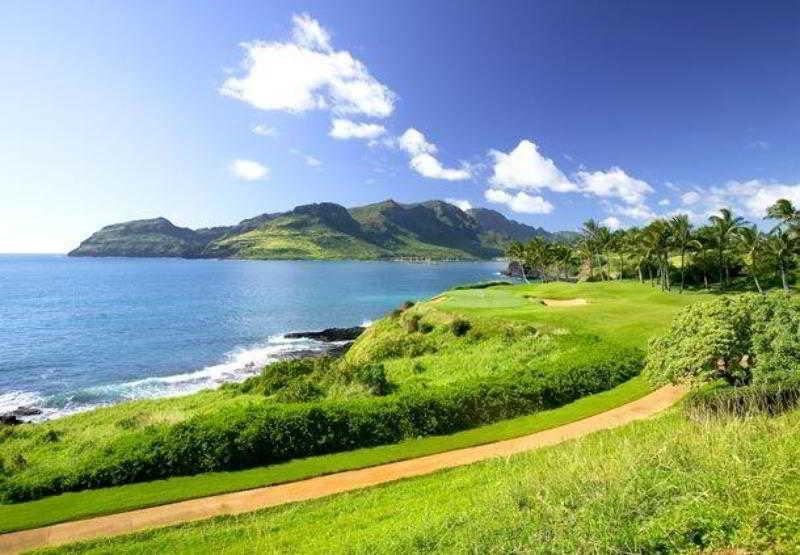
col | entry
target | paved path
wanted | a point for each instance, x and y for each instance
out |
(270, 496)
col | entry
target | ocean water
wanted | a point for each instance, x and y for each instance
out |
(77, 333)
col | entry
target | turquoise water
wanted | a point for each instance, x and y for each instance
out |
(82, 332)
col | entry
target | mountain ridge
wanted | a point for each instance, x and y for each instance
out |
(384, 230)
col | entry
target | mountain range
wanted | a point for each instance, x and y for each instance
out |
(385, 230)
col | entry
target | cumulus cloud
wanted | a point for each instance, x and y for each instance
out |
(423, 160)
(461, 203)
(636, 211)
(614, 183)
(525, 168)
(346, 129)
(520, 202)
(264, 130)
(692, 197)
(753, 197)
(249, 170)
(307, 74)
(664, 202)
(611, 223)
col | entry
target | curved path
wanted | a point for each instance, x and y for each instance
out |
(321, 486)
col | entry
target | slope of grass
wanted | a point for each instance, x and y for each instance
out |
(663, 485)
(512, 338)
(73, 506)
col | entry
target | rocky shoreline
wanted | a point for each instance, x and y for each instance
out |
(339, 340)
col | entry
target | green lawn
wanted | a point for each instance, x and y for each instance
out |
(73, 506)
(664, 485)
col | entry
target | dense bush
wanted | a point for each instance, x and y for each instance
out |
(373, 376)
(722, 400)
(481, 285)
(278, 375)
(262, 432)
(460, 327)
(742, 339)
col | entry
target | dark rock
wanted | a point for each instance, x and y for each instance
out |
(26, 411)
(337, 351)
(329, 335)
(9, 419)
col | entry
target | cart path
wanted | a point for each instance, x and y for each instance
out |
(321, 486)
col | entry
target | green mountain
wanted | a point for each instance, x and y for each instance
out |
(433, 229)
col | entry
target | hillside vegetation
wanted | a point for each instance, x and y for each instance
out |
(466, 358)
(388, 229)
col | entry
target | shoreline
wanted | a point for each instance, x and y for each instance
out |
(33, 407)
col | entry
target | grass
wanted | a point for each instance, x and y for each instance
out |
(73, 506)
(664, 485)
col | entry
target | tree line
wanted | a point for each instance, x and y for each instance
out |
(672, 253)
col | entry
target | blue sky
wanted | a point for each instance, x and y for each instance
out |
(550, 112)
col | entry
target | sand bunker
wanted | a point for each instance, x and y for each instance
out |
(559, 302)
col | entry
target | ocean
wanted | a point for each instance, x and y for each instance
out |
(78, 333)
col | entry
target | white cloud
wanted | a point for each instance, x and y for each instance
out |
(263, 130)
(309, 33)
(692, 197)
(249, 170)
(520, 202)
(664, 202)
(614, 183)
(307, 74)
(461, 203)
(414, 142)
(611, 223)
(346, 129)
(636, 211)
(758, 145)
(308, 159)
(753, 197)
(525, 168)
(311, 161)
(423, 160)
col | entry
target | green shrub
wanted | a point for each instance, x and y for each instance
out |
(373, 376)
(406, 305)
(419, 368)
(261, 432)
(460, 327)
(425, 327)
(300, 390)
(278, 375)
(481, 285)
(736, 339)
(412, 323)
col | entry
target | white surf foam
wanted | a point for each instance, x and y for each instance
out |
(236, 366)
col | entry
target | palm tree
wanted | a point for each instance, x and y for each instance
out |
(656, 237)
(783, 244)
(619, 244)
(785, 212)
(588, 245)
(516, 251)
(681, 235)
(604, 241)
(753, 243)
(724, 227)
(702, 246)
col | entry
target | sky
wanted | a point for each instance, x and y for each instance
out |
(550, 112)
